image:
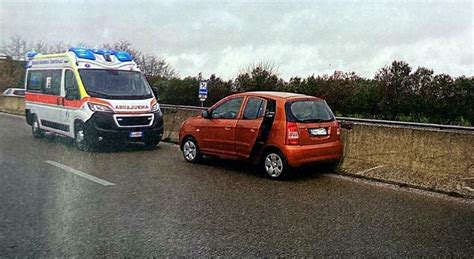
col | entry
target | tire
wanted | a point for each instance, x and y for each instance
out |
(82, 140)
(191, 151)
(151, 143)
(36, 129)
(275, 166)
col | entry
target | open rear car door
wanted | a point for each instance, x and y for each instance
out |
(254, 125)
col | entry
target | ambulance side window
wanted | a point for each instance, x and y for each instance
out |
(72, 90)
(35, 80)
(52, 82)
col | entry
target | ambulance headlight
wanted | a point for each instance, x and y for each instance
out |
(95, 107)
(155, 108)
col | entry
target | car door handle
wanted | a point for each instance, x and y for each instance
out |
(227, 127)
(253, 129)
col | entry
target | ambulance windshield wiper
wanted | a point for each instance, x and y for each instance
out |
(98, 94)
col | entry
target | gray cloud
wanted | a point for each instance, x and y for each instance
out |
(300, 37)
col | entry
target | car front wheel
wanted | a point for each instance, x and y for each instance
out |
(191, 151)
(36, 129)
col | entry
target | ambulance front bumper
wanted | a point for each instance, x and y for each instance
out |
(132, 127)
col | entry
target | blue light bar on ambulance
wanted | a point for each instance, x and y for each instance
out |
(98, 51)
(83, 53)
(31, 54)
(103, 52)
(122, 56)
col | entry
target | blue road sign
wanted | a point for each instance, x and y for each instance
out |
(203, 90)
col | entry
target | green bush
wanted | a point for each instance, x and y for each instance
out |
(396, 92)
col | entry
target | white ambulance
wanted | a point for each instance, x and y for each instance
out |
(91, 96)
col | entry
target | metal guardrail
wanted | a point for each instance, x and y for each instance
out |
(182, 107)
(407, 124)
(353, 120)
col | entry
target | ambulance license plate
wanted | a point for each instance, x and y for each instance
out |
(136, 134)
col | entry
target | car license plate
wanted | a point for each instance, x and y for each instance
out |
(318, 132)
(136, 134)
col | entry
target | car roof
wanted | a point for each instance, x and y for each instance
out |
(277, 95)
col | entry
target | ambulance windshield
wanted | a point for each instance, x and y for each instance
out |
(115, 84)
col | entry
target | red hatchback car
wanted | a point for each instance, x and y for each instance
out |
(279, 130)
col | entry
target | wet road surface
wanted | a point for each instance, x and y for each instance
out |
(156, 204)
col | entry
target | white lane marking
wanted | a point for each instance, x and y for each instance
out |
(370, 169)
(79, 173)
(394, 186)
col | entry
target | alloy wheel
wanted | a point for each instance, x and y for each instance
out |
(189, 150)
(273, 165)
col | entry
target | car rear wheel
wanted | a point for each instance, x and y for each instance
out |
(36, 129)
(275, 165)
(191, 151)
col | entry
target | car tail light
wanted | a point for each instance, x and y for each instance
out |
(292, 136)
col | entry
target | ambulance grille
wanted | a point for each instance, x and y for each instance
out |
(134, 121)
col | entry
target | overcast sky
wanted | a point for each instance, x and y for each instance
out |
(300, 37)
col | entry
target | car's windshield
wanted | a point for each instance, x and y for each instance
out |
(311, 111)
(115, 84)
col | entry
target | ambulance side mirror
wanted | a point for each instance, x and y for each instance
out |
(155, 92)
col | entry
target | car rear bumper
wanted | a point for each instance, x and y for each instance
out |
(299, 155)
(102, 125)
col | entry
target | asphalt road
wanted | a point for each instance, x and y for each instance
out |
(159, 205)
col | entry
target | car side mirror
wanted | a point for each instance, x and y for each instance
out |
(346, 125)
(206, 114)
(72, 94)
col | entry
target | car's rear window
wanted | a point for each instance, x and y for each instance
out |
(308, 111)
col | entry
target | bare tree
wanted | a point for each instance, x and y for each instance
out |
(84, 45)
(58, 47)
(15, 48)
(40, 47)
(156, 67)
(151, 65)
(123, 45)
(267, 66)
(262, 76)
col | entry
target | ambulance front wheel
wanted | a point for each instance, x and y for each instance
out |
(81, 138)
(35, 128)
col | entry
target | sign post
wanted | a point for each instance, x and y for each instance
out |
(202, 91)
(202, 94)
